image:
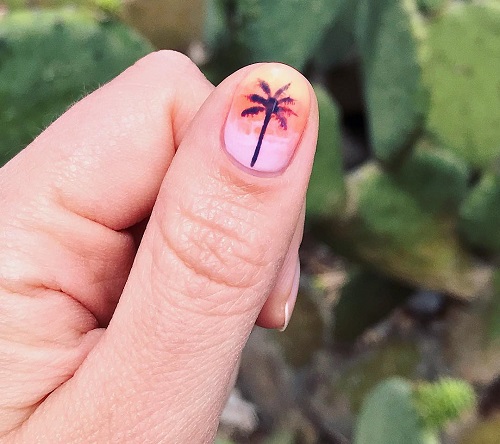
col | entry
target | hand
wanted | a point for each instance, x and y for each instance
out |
(138, 246)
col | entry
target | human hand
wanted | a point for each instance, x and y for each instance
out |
(137, 251)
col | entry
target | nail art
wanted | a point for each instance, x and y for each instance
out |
(267, 117)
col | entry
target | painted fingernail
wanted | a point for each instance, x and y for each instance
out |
(292, 298)
(267, 117)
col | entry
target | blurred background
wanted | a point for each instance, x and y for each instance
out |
(396, 333)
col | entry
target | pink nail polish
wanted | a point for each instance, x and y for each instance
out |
(292, 298)
(267, 117)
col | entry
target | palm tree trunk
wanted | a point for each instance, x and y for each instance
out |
(267, 118)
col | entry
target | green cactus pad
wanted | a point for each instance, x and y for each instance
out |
(385, 226)
(436, 178)
(276, 31)
(389, 35)
(49, 59)
(464, 82)
(216, 26)
(388, 416)
(338, 41)
(479, 216)
(326, 191)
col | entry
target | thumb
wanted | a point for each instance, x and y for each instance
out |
(220, 230)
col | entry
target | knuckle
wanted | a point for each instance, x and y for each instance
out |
(220, 239)
(165, 60)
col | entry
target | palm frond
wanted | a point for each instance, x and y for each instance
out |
(281, 90)
(265, 87)
(252, 111)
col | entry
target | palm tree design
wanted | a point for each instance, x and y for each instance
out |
(273, 107)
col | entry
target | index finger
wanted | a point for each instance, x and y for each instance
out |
(96, 171)
(113, 148)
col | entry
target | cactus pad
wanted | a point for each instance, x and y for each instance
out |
(385, 226)
(435, 177)
(479, 216)
(277, 31)
(463, 77)
(326, 191)
(49, 59)
(389, 416)
(389, 35)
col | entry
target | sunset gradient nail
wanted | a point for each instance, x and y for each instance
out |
(267, 117)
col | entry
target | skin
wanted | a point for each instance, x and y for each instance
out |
(135, 258)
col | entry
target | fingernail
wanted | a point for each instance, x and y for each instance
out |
(290, 303)
(267, 117)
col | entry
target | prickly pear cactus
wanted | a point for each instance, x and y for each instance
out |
(327, 191)
(442, 401)
(479, 221)
(49, 59)
(271, 27)
(337, 43)
(388, 228)
(389, 35)
(398, 412)
(389, 416)
(463, 80)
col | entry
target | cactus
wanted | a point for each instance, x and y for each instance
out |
(388, 34)
(49, 59)
(435, 178)
(479, 217)
(398, 412)
(327, 190)
(272, 30)
(337, 43)
(389, 416)
(386, 227)
(219, 440)
(462, 77)
(442, 401)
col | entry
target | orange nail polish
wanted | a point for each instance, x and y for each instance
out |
(267, 117)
